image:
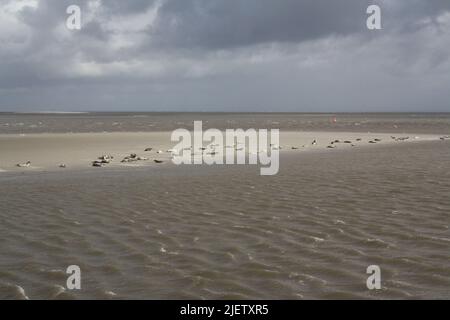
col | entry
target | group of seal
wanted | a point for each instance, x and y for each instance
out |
(28, 164)
(24, 165)
(399, 138)
(133, 157)
(106, 159)
(102, 161)
(333, 144)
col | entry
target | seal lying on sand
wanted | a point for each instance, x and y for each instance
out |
(106, 158)
(133, 157)
(24, 165)
(97, 163)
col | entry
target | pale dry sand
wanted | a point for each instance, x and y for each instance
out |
(78, 150)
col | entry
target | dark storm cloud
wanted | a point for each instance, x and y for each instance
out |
(128, 7)
(418, 9)
(225, 54)
(224, 24)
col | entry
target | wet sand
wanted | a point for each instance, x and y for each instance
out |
(78, 150)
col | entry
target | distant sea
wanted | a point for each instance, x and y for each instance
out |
(157, 121)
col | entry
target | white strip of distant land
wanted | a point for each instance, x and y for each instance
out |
(53, 112)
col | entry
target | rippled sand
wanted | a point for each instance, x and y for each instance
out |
(226, 232)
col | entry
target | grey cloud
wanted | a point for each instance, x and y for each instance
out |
(224, 24)
(260, 55)
(221, 24)
(127, 7)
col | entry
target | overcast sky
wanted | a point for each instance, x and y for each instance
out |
(225, 55)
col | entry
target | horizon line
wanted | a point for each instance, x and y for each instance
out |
(229, 112)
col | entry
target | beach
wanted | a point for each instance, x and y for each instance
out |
(78, 150)
(149, 230)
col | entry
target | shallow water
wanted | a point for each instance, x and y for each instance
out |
(124, 122)
(227, 232)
